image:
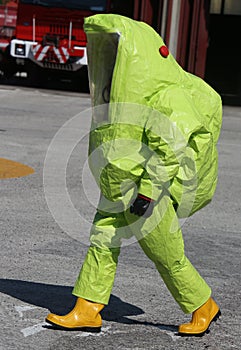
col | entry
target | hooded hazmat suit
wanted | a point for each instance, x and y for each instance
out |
(154, 132)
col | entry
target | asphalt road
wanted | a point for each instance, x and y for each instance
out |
(42, 250)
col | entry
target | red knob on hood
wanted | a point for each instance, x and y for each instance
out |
(164, 51)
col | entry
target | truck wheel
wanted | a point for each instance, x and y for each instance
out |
(80, 80)
(7, 64)
(36, 76)
(1, 67)
(1, 57)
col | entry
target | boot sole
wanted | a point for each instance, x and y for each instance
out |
(83, 329)
(218, 314)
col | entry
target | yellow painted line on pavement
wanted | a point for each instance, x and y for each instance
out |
(10, 169)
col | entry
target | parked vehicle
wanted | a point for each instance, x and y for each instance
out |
(8, 19)
(49, 37)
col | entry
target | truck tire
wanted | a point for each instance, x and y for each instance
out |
(8, 64)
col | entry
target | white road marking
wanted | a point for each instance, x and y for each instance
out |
(104, 331)
(21, 309)
(33, 329)
(168, 330)
(172, 335)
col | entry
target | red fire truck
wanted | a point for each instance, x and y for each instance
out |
(49, 37)
(8, 18)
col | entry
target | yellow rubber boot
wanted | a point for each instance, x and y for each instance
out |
(84, 316)
(201, 319)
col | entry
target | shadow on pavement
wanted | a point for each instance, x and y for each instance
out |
(71, 85)
(59, 299)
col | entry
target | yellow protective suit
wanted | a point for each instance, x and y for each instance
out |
(154, 131)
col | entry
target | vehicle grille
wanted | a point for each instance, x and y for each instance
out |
(59, 29)
(51, 65)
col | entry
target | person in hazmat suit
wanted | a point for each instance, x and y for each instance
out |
(152, 151)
